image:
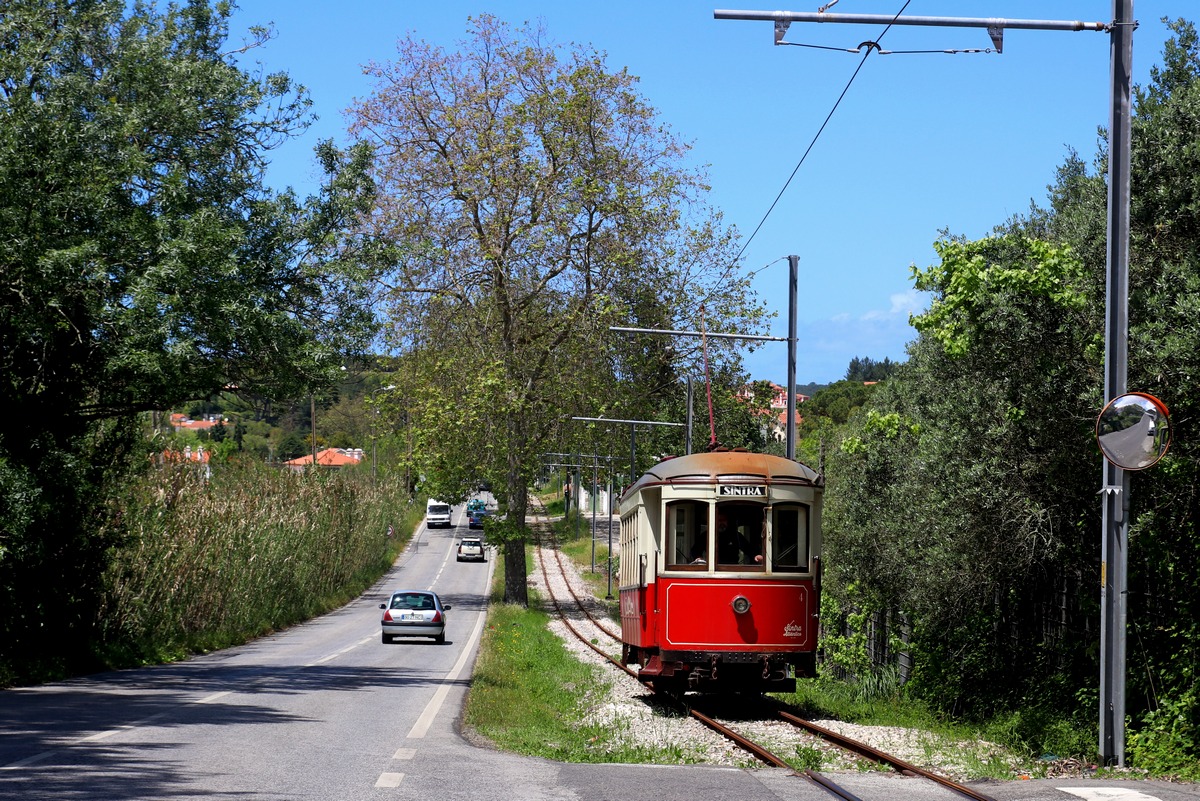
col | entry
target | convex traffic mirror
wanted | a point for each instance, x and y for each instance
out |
(1134, 431)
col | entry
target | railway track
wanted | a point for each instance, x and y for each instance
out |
(580, 618)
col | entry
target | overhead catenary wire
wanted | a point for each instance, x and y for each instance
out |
(817, 136)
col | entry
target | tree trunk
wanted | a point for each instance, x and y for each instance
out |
(516, 587)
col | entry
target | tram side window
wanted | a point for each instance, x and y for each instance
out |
(789, 539)
(687, 524)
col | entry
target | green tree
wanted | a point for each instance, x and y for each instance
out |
(867, 369)
(145, 264)
(1164, 358)
(291, 446)
(534, 200)
(943, 511)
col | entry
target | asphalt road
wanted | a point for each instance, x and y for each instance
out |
(326, 711)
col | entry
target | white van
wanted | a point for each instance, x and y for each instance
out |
(437, 514)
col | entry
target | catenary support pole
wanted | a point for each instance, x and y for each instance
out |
(793, 298)
(594, 503)
(1114, 520)
(688, 435)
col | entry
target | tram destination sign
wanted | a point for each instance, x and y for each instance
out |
(736, 491)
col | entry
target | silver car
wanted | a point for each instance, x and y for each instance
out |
(414, 613)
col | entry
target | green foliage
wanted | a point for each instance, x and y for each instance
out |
(939, 508)
(500, 530)
(974, 513)
(867, 369)
(207, 563)
(144, 265)
(531, 199)
(836, 402)
(1167, 738)
(972, 275)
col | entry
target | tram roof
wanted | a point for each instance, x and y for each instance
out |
(737, 465)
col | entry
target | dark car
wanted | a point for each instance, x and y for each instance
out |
(414, 613)
(475, 518)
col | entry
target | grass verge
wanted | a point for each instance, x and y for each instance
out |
(531, 696)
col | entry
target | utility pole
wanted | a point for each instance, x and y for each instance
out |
(1115, 518)
(687, 438)
(595, 508)
(612, 482)
(1114, 522)
(793, 293)
(312, 419)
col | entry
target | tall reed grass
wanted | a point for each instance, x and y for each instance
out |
(208, 563)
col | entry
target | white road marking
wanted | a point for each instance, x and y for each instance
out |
(1107, 794)
(431, 710)
(105, 734)
(120, 729)
(404, 753)
(27, 761)
(389, 780)
(213, 697)
(347, 649)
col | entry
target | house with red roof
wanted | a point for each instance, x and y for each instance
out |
(330, 457)
(181, 422)
(776, 425)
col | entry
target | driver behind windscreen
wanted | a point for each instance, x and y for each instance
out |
(732, 544)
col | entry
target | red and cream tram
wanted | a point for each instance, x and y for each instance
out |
(720, 580)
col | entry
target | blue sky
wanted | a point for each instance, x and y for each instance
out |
(919, 143)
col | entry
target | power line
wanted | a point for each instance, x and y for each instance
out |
(813, 143)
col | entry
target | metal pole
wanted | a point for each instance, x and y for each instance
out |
(577, 500)
(688, 437)
(1115, 521)
(632, 454)
(612, 482)
(595, 508)
(889, 19)
(793, 292)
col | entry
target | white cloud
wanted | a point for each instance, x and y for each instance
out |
(909, 302)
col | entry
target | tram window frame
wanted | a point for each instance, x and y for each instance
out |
(802, 530)
(745, 517)
(694, 531)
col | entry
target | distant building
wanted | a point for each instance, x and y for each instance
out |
(330, 457)
(185, 456)
(776, 424)
(181, 422)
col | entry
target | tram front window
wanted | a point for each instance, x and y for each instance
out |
(789, 539)
(739, 535)
(687, 527)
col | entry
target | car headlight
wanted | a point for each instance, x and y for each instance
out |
(741, 604)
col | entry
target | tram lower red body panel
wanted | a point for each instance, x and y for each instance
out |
(690, 614)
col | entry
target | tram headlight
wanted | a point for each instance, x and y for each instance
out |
(741, 604)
